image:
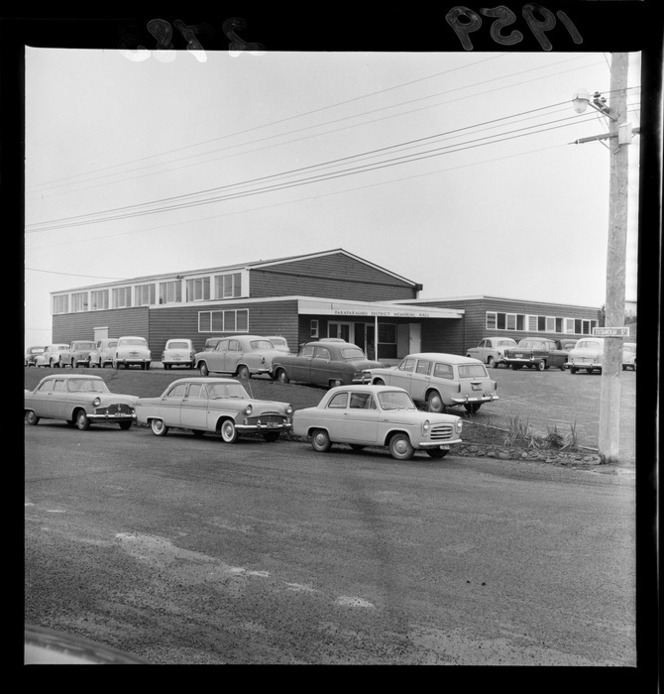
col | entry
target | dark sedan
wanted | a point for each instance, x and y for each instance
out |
(324, 363)
(538, 352)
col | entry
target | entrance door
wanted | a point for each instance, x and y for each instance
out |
(414, 338)
(341, 330)
(100, 334)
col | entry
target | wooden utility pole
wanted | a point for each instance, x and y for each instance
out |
(609, 409)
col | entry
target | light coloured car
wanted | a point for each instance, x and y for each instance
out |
(216, 406)
(240, 355)
(324, 363)
(587, 355)
(629, 356)
(132, 350)
(538, 353)
(178, 352)
(103, 352)
(279, 343)
(382, 416)
(79, 400)
(211, 343)
(437, 381)
(31, 354)
(78, 353)
(51, 355)
(491, 350)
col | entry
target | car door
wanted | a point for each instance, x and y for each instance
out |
(61, 400)
(299, 367)
(194, 407)
(41, 400)
(215, 358)
(232, 356)
(171, 405)
(402, 376)
(420, 380)
(361, 419)
(319, 368)
(335, 416)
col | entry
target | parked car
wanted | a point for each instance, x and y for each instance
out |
(51, 355)
(326, 363)
(587, 355)
(279, 343)
(31, 354)
(491, 350)
(79, 400)
(178, 352)
(537, 352)
(103, 352)
(436, 381)
(568, 343)
(132, 350)
(77, 354)
(213, 405)
(629, 356)
(367, 415)
(240, 355)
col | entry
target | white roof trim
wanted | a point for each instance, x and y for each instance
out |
(378, 309)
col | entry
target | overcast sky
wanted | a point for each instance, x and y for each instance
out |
(454, 170)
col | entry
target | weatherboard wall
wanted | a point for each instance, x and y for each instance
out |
(119, 321)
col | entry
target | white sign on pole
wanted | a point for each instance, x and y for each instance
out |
(611, 332)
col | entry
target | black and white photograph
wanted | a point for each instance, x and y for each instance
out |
(330, 354)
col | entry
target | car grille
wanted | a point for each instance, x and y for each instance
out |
(115, 409)
(267, 419)
(442, 432)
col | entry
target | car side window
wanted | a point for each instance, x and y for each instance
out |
(233, 346)
(407, 365)
(443, 371)
(362, 401)
(485, 343)
(60, 387)
(322, 353)
(195, 391)
(46, 387)
(423, 367)
(222, 346)
(307, 351)
(339, 401)
(177, 391)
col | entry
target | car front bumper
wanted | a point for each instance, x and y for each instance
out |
(445, 445)
(113, 413)
(264, 426)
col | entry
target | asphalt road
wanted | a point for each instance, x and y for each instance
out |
(182, 550)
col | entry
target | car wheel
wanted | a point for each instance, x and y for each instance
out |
(435, 402)
(31, 418)
(124, 425)
(158, 427)
(436, 453)
(573, 369)
(271, 435)
(282, 376)
(243, 371)
(82, 421)
(228, 431)
(401, 448)
(336, 382)
(491, 363)
(541, 365)
(203, 369)
(320, 441)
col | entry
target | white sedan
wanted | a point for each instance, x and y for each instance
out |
(376, 416)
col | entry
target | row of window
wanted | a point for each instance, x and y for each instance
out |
(539, 324)
(196, 289)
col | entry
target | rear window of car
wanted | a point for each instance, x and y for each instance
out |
(506, 343)
(134, 341)
(178, 345)
(352, 353)
(472, 371)
(261, 344)
(532, 344)
(588, 344)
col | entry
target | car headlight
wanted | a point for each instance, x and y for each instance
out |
(459, 425)
(289, 410)
(425, 427)
(248, 409)
(96, 402)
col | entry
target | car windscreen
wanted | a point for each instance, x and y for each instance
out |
(261, 344)
(86, 386)
(84, 345)
(395, 400)
(472, 371)
(352, 353)
(226, 390)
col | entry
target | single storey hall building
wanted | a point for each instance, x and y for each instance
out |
(307, 297)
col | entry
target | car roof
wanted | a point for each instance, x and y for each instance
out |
(204, 379)
(367, 387)
(441, 356)
(74, 377)
(130, 337)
